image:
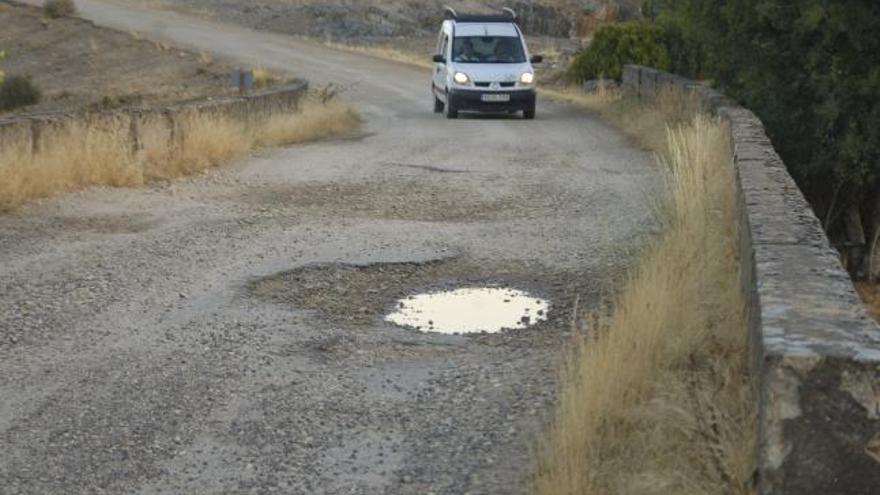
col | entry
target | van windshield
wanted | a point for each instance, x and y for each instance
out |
(488, 50)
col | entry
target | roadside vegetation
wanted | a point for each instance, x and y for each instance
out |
(807, 68)
(18, 91)
(870, 294)
(82, 156)
(387, 52)
(263, 77)
(654, 398)
(59, 8)
(615, 45)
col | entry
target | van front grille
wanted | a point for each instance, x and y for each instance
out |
(487, 84)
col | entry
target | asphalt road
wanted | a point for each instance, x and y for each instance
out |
(224, 333)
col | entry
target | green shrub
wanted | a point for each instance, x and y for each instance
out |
(615, 45)
(18, 91)
(59, 8)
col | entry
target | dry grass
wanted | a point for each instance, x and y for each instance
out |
(263, 77)
(655, 397)
(78, 156)
(72, 159)
(870, 294)
(386, 53)
(646, 123)
(163, 46)
(208, 141)
(314, 122)
(206, 58)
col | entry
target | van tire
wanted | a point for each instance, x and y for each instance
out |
(451, 111)
(438, 105)
(529, 113)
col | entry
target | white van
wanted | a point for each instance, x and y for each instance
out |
(483, 64)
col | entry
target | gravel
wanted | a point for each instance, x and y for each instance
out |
(165, 340)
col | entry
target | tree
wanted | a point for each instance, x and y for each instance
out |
(811, 70)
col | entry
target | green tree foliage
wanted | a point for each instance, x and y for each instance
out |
(810, 69)
(615, 45)
(18, 91)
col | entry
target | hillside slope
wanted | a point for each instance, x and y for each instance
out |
(373, 20)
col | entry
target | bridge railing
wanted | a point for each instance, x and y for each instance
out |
(815, 352)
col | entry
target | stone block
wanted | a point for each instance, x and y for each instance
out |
(630, 82)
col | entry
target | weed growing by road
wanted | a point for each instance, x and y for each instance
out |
(655, 397)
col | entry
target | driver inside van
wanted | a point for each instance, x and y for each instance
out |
(467, 52)
(502, 52)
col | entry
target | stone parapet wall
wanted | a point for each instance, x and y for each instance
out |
(32, 133)
(815, 352)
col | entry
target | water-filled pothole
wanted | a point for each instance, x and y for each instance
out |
(350, 294)
(470, 310)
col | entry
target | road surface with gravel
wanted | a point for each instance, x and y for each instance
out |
(225, 334)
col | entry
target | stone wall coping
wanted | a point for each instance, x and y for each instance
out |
(293, 86)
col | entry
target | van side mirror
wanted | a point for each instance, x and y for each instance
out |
(440, 59)
(537, 59)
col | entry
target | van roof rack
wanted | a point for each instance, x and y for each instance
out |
(506, 15)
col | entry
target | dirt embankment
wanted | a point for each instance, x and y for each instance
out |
(77, 65)
(554, 27)
(376, 20)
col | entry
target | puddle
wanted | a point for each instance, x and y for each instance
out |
(470, 310)
(359, 294)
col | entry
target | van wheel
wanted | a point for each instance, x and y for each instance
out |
(529, 113)
(438, 105)
(451, 111)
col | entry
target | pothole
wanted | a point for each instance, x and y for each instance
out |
(470, 310)
(351, 294)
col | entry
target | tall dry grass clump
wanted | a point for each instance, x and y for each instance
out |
(645, 123)
(655, 397)
(74, 157)
(317, 119)
(78, 156)
(206, 141)
(263, 77)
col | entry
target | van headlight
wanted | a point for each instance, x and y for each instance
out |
(527, 78)
(461, 78)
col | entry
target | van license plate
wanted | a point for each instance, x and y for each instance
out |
(490, 98)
